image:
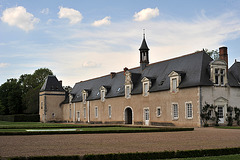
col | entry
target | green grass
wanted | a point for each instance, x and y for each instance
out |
(226, 157)
(19, 128)
(83, 129)
(28, 125)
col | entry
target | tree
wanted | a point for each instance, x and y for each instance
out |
(214, 54)
(18, 96)
(31, 86)
(11, 97)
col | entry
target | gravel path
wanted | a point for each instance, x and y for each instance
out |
(71, 144)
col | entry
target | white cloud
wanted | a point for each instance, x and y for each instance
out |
(73, 15)
(45, 11)
(146, 14)
(2, 65)
(104, 21)
(18, 16)
(90, 64)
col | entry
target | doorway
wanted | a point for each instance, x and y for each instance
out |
(220, 110)
(128, 116)
(146, 116)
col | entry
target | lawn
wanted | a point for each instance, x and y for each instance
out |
(26, 125)
(226, 157)
(20, 128)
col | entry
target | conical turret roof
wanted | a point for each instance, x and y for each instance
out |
(144, 45)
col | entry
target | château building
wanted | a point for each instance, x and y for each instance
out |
(166, 93)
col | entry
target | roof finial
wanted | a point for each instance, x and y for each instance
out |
(143, 33)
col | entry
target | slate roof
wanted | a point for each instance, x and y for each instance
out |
(52, 84)
(194, 68)
(144, 45)
(234, 75)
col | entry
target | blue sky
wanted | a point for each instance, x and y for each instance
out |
(79, 40)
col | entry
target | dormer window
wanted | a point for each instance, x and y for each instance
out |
(218, 72)
(103, 92)
(175, 79)
(128, 84)
(146, 84)
(219, 76)
(102, 95)
(127, 91)
(84, 98)
(174, 85)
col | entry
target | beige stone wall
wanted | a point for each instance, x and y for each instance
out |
(51, 100)
(137, 103)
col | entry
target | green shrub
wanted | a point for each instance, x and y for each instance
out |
(20, 118)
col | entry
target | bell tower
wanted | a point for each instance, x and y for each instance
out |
(144, 57)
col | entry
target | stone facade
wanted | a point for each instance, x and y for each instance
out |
(167, 93)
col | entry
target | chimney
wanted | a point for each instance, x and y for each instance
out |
(113, 74)
(125, 69)
(223, 55)
(60, 82)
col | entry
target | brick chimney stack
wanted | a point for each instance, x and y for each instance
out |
(223, 55)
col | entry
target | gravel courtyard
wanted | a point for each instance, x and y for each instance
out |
(71, 144)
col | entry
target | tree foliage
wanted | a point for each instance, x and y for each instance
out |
(214, 54)
(21, 95)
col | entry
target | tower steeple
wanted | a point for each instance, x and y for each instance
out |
(144, 58)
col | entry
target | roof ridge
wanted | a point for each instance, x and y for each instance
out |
(139, 66)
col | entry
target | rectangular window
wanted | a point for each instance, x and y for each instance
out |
(175, 111)
(222, 76)
(127, 91)
(70, 113)
(109, 111)
(84, 112)
(174, 84)
(145, 89)
(189, 110)
(158, 112)
(84, 97)
(96, 112)
(102, 95)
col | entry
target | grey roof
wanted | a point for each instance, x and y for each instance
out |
(144, 45)
(52, 84)
(234, 75)
(193, 67)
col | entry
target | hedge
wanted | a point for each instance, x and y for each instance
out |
(141, 156)
(20, 118)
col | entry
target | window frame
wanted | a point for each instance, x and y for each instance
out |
(188, 110)
(103, 94)
(127, 91)
(158, 111)
(109, 111)
(173, 111)
(96, 111)
(84, 112)
(145, 89)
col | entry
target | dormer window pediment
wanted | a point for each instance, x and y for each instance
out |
(85, 94)
(103, 90)
(146, 85)
(175, 79)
